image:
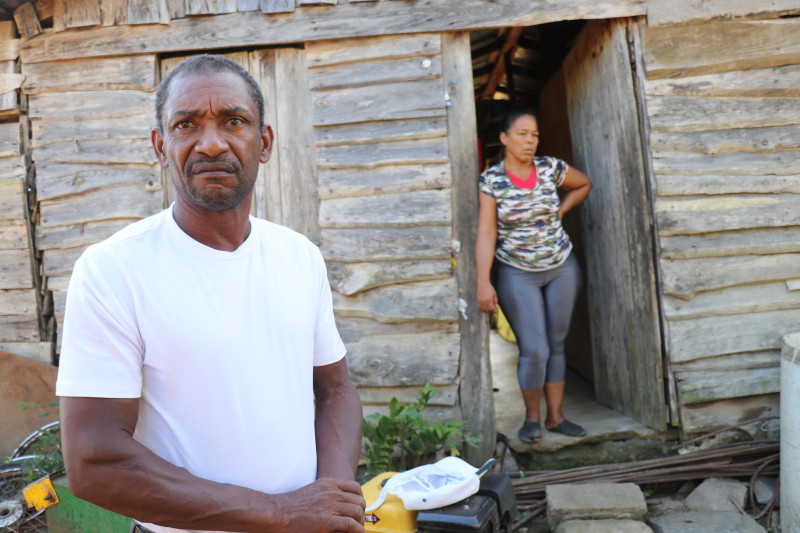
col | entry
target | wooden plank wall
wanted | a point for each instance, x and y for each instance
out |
(95, 168)
(723, 100)
(385, 218)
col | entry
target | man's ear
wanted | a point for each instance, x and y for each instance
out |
(158, 147)
(268, 138)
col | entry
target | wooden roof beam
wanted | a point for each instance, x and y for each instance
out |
(510, 46)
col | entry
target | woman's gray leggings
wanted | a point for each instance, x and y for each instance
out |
(538, 306)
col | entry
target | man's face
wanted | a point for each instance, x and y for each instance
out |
(211, 140)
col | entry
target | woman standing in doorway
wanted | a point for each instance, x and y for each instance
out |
(537, 278)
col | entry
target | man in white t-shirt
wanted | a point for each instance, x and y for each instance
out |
(203, 382)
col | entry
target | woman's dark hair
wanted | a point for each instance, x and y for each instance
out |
(512, 116)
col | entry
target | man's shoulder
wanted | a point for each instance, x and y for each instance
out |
(129, 239)
(277, 234)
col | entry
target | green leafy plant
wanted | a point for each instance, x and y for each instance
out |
(40, 454)
(405, 438)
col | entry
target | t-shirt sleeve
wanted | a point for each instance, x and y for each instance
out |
(560, 169)
(101, 348)
(485, 186)
(328, 345)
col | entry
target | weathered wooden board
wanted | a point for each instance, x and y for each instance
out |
(97, 151)
(341, 51)
(353, 328)
(446, 395)
(9, 48)
(768, 139)
(277, 6)
(267, 190)
(93, 74)
(736, 361)
(248, 5)
(700, 387)
(409, 99)
(13, 235)
(91, 104)
(352, 278)
(15, 270)
(702, 418)
(727, 243)
(346, 183)
(18, 302)
(10, 81)
(55, 180)
(734, 163)
(684, 278)
(775, 81)
(476, 392)
(397, 153)
(76, 14)
(59, 262)
(620, 274)
(9, 101)
(404, 360)
(9, 139)
(13, 168)
(12, 202)
(719, 46)
(122, 201)
(703, 214)
(715, 184)
(58, 283)
(40, 351)
(19, 328)
(84, 234)
(345, 21)
(409, 302)
(697, 113)
(201, 7)
(718, 335)
(375, 72)
(148, 12)
(386, 244)
(49, 131)
(115, 12)
(739, 299)
(418, 208)
(683, 11)
(27, 21)
(380, 131)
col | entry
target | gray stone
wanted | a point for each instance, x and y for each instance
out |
(665, 505)
(594, 501)
(764, 490)
(717, 495)
(603, 526)
(694, 522)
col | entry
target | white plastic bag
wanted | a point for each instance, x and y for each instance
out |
(432, 486)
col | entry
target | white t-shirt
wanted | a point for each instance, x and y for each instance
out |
(219, 347)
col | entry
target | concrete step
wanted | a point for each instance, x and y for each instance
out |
(602, 526)
(594, 501)
(698, 522)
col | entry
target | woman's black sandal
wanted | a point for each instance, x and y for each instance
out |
(567, 428)
(530, 432)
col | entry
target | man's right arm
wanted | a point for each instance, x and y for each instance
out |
(106, 466)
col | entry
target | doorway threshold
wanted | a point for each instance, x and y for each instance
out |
(602, 423)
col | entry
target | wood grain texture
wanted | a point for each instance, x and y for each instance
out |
(56, 180)
(380, 131)
(683, 11)
(148, 12)
(408, 302)
(60, 262)
(386, 244)
(13, 235)
(200, 7)
(741, 299)
(375, 72)
(404, 360)
(684, 278)
(476, 392)
(9, 139)
(91, 104)
(27, 21)
(114, 12)
(620, 276)
(277, 6)
(123, 201)
(20, 302)
(343, 51)
(418, 208)
(267, 190)
(729, 362)
(353, 278)
(19, 328)
(708, 184)
(718, 335)
(702, 418)
(394, 154)
(352, 182)
(49, 131)
(77, 235)
(345, 21)
(696, 113)
(767, 82)
(76, 14)
(733, 164)
(703, 214)
(710, 385)
(727, 243)
(129, 72)
(719, 46)
(13, 167)
(15, 270)
(97, 151)
(12, 199)
(761, 140)
(40, 351)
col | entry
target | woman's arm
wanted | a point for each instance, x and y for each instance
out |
(484, 251)
(578, 186)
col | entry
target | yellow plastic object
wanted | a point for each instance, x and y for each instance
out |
(40, 494)
(391, 516)
(503, 327)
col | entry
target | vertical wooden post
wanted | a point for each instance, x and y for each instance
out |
(477, 404)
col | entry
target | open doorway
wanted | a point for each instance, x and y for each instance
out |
(573, 76)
